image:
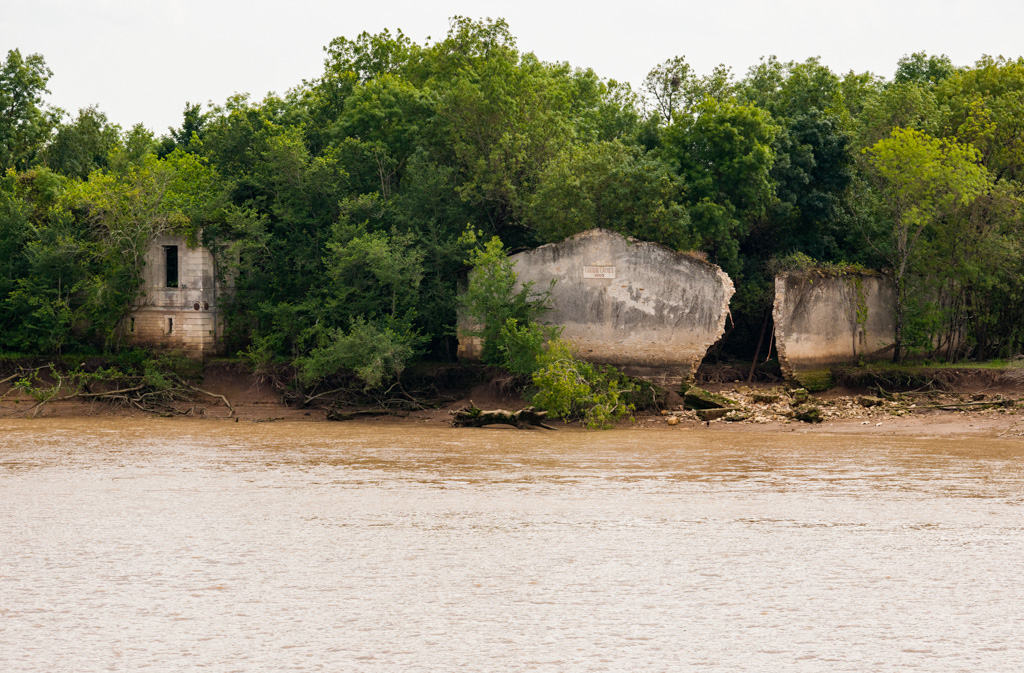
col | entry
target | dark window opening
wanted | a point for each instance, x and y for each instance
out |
(171, 258)
(131, 327)
(170, 325)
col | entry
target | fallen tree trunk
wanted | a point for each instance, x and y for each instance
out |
(473, 417)
(336, 415)
(970, 405)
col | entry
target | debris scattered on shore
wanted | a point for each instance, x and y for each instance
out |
(779, 404)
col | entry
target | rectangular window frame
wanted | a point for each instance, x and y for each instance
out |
(171, 266)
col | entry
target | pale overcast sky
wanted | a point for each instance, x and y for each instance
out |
(140, 61)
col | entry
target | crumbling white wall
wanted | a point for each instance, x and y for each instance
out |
(640, 306)
(821, 321)
(186, 317)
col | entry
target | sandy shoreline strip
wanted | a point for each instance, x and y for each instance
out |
(1002, 424)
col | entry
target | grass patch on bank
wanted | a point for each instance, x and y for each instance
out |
(818, 380)
(928, 374)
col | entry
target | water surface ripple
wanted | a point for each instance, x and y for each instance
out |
(162, 545)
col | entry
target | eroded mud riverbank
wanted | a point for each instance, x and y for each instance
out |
(979, 408)
(849, 418)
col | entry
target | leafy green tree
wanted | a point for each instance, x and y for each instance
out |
(136, 144)
(601, 110)
(813, 161)
(501, 117)
(786, 90)
(468, 43)
(364, 321)
(907, 105)
(16, 215)
(983, 105)
(369, 56)
(503, 122)
(990, 80)
(349, 63)
(920, 68)
(291, 200)
(995, 126)
(384, 120)
(724, 154)
(44, 298)
(522, 346)
(428, 208)
(676, 89)
(812, 170)
(968, 277)
(856, 89)
(492, 298)
(669, 84)
(83, 145)
(47, 259)
(25, 120)
(611, 186)
(375, 272)
(922, 180)
(192, 129)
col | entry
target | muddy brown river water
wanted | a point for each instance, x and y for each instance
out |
(167, 545)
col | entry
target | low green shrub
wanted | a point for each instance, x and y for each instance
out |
(573, 389)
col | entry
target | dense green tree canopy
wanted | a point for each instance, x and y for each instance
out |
(342, 204)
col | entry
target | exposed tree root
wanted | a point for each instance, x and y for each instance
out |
(134, 390)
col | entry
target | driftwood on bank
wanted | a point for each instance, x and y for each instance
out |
(473, 417)
(338, 415)
(224, 399)
(970, 405)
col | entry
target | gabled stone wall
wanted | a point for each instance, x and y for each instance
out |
(821, 321)
(640, 306)
(185, 317)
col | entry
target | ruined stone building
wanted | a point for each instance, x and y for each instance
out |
(822, 320)
(654, 313)
(642, 307)
(178, 308)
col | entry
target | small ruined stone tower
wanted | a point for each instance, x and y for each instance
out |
(179, 306)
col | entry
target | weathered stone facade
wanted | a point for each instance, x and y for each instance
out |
(821, 321)
(639, 306)
(178, 308)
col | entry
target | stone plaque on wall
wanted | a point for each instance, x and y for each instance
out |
(599, 272)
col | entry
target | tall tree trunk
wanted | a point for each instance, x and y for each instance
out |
(897, 351)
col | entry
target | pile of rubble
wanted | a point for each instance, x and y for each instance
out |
(743, 404)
